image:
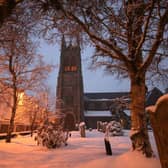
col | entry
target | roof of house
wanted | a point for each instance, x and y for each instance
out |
(104, 95)
(93, 113)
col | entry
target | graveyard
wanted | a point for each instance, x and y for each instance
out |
(81, 152)
(82, 120)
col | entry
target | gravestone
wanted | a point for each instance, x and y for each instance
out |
(98, 125)
(159, 122)
(107, 141)
(82, 129)
(107, 146)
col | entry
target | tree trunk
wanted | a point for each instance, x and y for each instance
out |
(11, 124)
(11, 127)
(139, 133)
(32, 128)
(33, 122)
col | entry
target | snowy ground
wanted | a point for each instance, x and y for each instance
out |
(86, 152)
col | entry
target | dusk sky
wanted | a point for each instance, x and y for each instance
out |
(94, 80)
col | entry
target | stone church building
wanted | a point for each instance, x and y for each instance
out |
(70, 84)
(76, 105)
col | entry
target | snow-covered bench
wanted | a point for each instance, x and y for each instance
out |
(159, 122)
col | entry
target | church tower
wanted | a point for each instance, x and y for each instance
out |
(70, 85)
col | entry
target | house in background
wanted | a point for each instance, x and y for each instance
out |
(97, 107)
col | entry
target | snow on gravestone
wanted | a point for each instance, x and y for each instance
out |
(82, 129)
(159, 122)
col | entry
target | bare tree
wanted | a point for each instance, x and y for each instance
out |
(39, 106)
(6, 8)
(128, 36)
(20, 67)
(117, 108)
(46, 100)
(32, 111)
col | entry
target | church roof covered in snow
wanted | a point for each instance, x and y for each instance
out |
(92, 113)
(104, 95)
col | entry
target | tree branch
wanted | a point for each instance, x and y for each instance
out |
(139, 46)
(158, 40)
(94, 38)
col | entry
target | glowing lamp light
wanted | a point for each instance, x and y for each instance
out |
(20, 98)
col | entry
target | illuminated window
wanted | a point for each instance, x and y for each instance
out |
(70, 68)
(67, 68)
(73, 68)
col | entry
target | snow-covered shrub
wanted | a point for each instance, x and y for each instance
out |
(101, 126)
(114, 128)
(51, 135)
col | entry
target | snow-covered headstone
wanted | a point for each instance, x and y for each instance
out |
(82, 129)
(158, 118)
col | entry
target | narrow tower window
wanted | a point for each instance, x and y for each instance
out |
(70, 68)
